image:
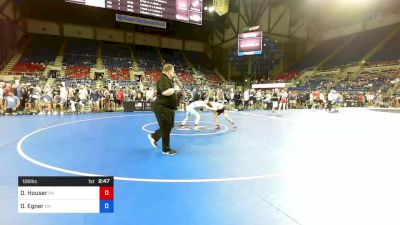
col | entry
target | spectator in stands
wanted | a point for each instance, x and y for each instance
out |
(71, 93)
(83, 97)
(237, 99)
(1, 97)
(63, 97)
(220, 96)
(275, 100)
(106, 100)
(45, 103)
(149, 94)
(196, 95)
(283, 102)
(139, 96)
(132, 94)
(322, 99)
(231, 94)
(258, 98)
(95, 99)
(370, 98)
(74, 100)
(58, 104)
(267, 100)
(23, 92)
(36, 94)
(7, 89)
(112, 99)
(11, 104)
(246, 99)
(120, 98)
(361, 99)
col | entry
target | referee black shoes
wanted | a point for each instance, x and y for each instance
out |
(169, 152)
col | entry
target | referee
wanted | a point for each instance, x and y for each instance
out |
(164, 107)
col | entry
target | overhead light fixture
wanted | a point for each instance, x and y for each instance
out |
(205, 8)
(211, 9)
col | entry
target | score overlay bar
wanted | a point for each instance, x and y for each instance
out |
(65, 194)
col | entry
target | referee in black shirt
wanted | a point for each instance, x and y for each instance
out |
(164, 107)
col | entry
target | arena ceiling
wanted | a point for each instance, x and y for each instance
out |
(59, 11)
(321, 15)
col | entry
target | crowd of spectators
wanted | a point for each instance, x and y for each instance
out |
(81, 96)
(77, 93)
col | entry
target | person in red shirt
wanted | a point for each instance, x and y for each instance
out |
(361, 99)
(120, 98)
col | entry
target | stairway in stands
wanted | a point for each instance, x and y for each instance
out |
(159, 54)
(60, 57)
(136, 66)
(10, 65)
(61, 53)
(99, 61)
(14, 60)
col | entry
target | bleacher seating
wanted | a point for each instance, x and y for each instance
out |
(122, 83)
(41, 51)
(74, 82)
(356, 47)
(389, 52)
(214, 78)
(311, 85)
(78, 72)
(147, 58)
(359, 46)
(117, 56)
(182, 69)
(366, 82)
(34, 80)
(288, 75)
(203, 64)
(119, 74)
(319, 53)
(175, 58)
(80, 53)
(79, 57)
(186, 78)
(29, 68)
(197, 58)
(154, 75)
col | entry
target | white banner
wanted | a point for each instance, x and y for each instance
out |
(272, 85)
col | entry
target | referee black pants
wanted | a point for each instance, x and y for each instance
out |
(165, 118)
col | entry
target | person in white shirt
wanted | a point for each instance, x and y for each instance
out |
(311, 100)
(332, 98)
(11, 104)
(191, 109)
(83, 97)
(63, 97)
(149, 94)
(370, 98)
(232, 96)
(219, 109)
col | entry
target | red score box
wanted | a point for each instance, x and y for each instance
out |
(106, 193)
